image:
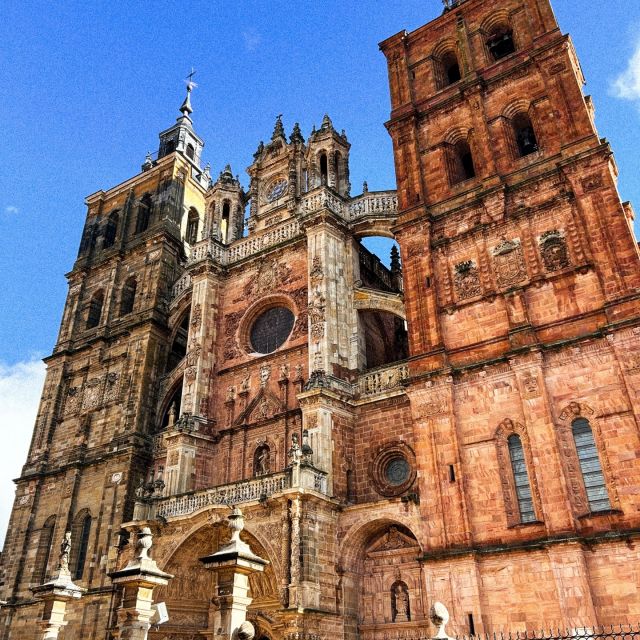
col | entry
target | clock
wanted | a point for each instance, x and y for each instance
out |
(276, 189)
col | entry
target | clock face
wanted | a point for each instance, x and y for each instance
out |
(276, 189)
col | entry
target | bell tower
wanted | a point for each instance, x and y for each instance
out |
(328, 159)
(225, 208)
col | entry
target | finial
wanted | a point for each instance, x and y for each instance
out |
(326, 123)
(186, 108)
(296, 134)
(236, 524)
(395, 259)
(259, 151)
(278, 131)
(144, 543)
(148, 162)
(365, 187)
(439, 616)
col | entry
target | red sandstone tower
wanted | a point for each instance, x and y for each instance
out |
(521, 288)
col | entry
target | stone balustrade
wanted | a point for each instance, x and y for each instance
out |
(382, 381)
(373, 204)
(181, 285)
(229, 494)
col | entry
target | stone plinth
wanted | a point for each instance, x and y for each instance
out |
(234, 563)
(56, 593)
(138, 580)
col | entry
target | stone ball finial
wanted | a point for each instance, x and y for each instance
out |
(246, 631)
(439, 616)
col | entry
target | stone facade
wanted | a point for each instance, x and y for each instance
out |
(486, 458)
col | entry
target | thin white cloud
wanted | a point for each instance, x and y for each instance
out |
(627, 85)
(11, 210)
(20, 390)
(252, 40)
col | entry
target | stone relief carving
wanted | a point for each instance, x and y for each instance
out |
(265, 375)
(92, 394)
(554, 252)
(231, 349)
(196, 316)
(73, 400)
(316, 274)
(111, 387)
(467, 280)
(509, 264)
(317, 318)
(300, 297)
(270, 276)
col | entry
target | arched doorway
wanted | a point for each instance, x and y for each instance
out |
(191, 595)
(382, 583)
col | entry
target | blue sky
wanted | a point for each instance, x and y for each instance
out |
(86, 87)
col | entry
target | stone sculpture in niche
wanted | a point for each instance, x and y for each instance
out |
(400, 602)
(262, 461)
(467, 280)
(554, 252)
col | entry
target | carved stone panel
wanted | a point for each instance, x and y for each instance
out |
(467, 280)
(509, 264)
(554, 252)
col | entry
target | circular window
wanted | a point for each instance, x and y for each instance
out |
(393, 469)
(271, 329)
(397, 471)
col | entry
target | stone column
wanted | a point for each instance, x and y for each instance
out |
(56, 593)
(138, 580)
(234, 563)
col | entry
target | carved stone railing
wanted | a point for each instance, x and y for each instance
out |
(229, 494)
(181, 285)
(381, 381)
(253, 244)
(245, 247)
(376, 203)
(322, 198)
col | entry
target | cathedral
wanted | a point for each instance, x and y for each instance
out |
(460, 424)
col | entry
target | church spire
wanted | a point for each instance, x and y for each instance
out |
(185, 108)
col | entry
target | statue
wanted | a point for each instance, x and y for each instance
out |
(173, 411)
(401, 603)
(246, 381)
(263, 461)
(65, 550)
(295, 453)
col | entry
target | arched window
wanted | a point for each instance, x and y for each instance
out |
(526, 140)
(44, 551)
(80, 531)
(191, 152)
(462, 163)
(590, 466)
(500, 42)
(224, 222)
(145, 209)
(449, 72)
(128, 296)
(324, 169)
(95, 309)
(192, 226)
(521, 479)
(111, 229)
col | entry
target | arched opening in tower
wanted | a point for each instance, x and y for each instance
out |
(383, 338)
(179, 344)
